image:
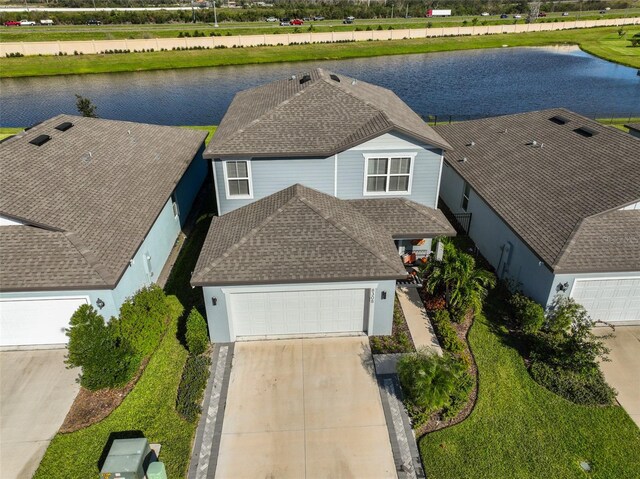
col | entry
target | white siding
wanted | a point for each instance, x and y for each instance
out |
(8, 221)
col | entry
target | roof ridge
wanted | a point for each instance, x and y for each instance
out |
(252, 232)
(346, 231)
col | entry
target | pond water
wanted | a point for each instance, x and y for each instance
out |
(464, 84)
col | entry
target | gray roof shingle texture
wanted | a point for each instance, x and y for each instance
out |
(320, 117)
(544, 191)
(633, 126)
(300, 234)
(95, 189)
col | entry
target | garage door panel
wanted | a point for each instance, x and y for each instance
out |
(297, 312)
(36, 321)
(611, 300)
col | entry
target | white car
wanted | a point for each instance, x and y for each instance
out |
(46, 22)
(26, 23)
(484, 14)
(272, 19)
(517, 16)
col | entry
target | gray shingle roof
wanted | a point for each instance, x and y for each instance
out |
(300, 234)
(319, 117)
(544, 191)
(633, 126)
(97, 188)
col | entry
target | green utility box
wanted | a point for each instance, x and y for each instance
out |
(156, 470)
(127, 459)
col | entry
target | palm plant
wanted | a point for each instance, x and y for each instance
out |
(464, 285)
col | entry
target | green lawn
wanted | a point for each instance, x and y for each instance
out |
(520, 430)
(619, 122)
(7, 132)
(599, 41)
(149, 408)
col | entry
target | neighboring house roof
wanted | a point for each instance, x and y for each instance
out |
(633, 126)
(321, 116)
(301, 235)
(544, 191)
(88, 198)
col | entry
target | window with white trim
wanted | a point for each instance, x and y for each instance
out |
(388, 174)
(238, 178)
(465, 196)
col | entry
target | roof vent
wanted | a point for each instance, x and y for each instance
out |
(584, 131)
(64, 126)
(473, 143)
(40, 140)
(559, 120)
(305, 79)
(334, 77)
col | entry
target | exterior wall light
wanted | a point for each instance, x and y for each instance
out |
(383, 295)
(563, 286)
(214, 301)
(99, 303)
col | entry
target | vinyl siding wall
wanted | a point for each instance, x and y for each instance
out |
(491, 234)
(270, 175)
(218, 316)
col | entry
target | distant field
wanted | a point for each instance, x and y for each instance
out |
(117, 32)
(7, 132)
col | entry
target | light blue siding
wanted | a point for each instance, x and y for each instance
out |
(188, 187)
(343, 178)
(491, 235)
(571, 279)
(218, 316)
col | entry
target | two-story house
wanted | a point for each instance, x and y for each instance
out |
(322, 183)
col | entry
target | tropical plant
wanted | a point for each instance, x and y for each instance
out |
(464, 284)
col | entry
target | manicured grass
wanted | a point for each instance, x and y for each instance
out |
(7, 132)
(149, 408)
(210, 128)
(520, 430)
(619, 122)
(602, 41)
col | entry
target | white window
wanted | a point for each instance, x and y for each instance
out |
(237, 177)
(465, 196)
(388, 175)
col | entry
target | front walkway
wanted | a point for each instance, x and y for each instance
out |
(294, 409)
(623, 371)
(419, 325)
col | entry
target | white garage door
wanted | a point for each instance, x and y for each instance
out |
(36, 321)
(297, 312)
(611, 300)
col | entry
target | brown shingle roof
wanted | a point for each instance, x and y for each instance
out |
(300, 234)
(633, 126)
(544, 191)
(319, 117)
(100, 185)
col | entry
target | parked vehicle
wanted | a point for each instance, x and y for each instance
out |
(27, 23)
(306, 19)
(12, 23)
(285, 22)
(272, 19)
(296, 21)
(484, 14)
(565, 14)
(504, 15)
(542, 14)
(317, 18)
(438, 13)
(517, 15)
(94, 22)
(347, 21)
(602, 12)
(46, 22)
(351, 18)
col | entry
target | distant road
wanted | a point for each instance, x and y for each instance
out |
(99, 9)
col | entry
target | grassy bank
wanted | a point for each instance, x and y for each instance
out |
(603, 42)
(521, 430)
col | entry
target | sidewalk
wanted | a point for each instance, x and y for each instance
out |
(419, 325)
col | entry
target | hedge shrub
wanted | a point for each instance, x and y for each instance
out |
(528, 314)
(143, 319)
(191, 388)
(447, 335)
(107, 360)
(196, 335)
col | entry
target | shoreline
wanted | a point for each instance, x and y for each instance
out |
(603, 42)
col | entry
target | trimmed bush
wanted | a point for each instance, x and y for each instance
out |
(175, 306)
(107, 361)
(589, 389)
(447, 335)
(196, 335)
(191, 388)
(143, 319)
(528, 314)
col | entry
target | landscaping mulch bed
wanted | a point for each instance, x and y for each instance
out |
(90, 407)
(400, 340)
(434, 423)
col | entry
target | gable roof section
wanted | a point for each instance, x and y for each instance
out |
(300, 234)
(99, 186)
(633, 126)
(544, 191)
(319, 117)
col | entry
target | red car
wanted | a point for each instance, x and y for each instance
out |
(11, 23)
(296, 21)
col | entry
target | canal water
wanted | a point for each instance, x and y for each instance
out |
(460, 85)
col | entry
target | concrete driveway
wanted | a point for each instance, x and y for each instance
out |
(36, 392)
(623, 371)
(304, 408)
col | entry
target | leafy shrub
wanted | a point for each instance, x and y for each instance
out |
(428, 381)
(589, 389)
(174, 306)
(459, 397)
(528, 314)
(107, 361)
(191, 387)
(143, 319)
(447, 335)
(196, 335)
